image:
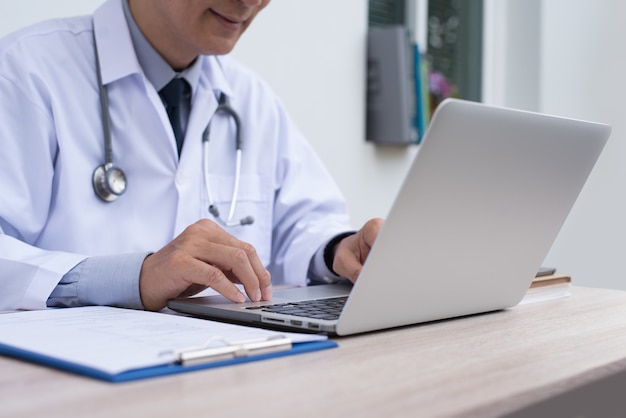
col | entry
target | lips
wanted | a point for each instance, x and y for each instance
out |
(228, 20)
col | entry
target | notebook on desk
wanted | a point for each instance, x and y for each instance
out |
(480, 207)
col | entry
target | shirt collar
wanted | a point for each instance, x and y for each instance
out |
(119, 57)
(156, 69)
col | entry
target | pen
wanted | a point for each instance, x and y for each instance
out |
(247, 349)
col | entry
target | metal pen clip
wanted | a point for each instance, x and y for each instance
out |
(204, 353)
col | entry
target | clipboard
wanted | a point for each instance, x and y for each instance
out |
(121, 345)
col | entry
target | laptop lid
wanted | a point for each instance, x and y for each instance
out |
(474, 219)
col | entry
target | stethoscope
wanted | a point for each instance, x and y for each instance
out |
(109, 181)
(224, 106)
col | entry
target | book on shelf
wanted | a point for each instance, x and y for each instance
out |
(422, 96)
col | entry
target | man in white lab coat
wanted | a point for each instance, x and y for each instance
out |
(63, 245)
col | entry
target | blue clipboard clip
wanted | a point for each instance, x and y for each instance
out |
(209, 352)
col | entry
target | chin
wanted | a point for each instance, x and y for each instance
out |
(220, 47)
(221, 51)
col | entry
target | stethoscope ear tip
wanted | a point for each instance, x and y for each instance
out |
(214, 211)
(248, 220)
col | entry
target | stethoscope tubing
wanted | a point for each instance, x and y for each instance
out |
(109, 182)
(224, 106)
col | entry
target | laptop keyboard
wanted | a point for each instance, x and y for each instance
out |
(318, 309)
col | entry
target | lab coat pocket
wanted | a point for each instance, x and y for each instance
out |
(254, 202)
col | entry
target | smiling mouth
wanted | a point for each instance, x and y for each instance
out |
(228, 20)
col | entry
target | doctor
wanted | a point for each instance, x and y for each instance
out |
(113, 196)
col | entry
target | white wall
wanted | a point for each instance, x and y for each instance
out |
(566, 57)
(16, 14)
(583, 63)
(512, 46)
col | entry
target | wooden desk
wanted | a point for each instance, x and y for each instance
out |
(480, 366)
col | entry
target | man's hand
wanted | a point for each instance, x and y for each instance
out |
(351, 252)
(203, 255)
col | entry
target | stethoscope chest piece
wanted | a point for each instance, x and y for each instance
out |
(109, 182)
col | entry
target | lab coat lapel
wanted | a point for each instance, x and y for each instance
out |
(189, 180)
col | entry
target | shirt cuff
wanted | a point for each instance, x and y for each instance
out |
(111, 280)
(320, 268)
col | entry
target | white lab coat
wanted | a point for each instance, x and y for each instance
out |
(51, 140)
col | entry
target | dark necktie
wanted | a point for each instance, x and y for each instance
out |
(173, 95)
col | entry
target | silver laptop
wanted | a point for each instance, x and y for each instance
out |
(474, 219)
